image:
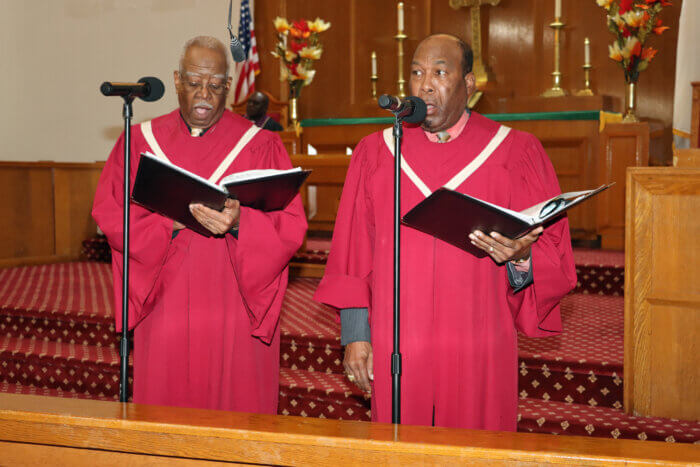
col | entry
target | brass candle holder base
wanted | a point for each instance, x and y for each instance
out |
(374, 79)
(586, 91)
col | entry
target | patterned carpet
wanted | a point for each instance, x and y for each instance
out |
(57, 338)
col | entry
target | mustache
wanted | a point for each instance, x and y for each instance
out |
(204, 104)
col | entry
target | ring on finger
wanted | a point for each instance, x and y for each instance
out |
(351, 377)
(490, 249)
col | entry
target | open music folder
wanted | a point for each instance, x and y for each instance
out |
(451, 216)
(169, 190)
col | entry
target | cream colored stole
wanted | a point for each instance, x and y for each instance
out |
(147, 131)
(463, 174)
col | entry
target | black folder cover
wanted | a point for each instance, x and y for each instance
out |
(451, 216)
(168, 191)
(268, 193)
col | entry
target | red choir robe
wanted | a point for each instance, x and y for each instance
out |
(205, 311)
(459, 314)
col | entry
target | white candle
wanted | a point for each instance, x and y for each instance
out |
(557, 9)
(400, 15)
(374, 63)
(587, 51)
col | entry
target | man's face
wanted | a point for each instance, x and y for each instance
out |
(436, 77)
(202, 86)
(256, 106)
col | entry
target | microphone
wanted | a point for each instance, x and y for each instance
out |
(148, 88)
(237, 50)
(411, 109)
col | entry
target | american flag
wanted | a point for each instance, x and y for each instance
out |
(247, 69)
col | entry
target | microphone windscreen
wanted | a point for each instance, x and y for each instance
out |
(156, 89)
(419, 110)
(237, 50)
(385, 101)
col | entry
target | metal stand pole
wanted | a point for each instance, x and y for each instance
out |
(124, 344)
(396, 355)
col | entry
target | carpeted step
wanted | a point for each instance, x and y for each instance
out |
(66, 302)
(582, 365)
(310, 331)
(322, 395)
(599, 272)
(59, 327)
(70, 368)
(575, 419)
(35, 391)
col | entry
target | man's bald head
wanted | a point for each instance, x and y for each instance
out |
(441, 76)
(466, 51)
(257, 105)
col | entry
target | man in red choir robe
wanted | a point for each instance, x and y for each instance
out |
(205, 310)
(459, 313)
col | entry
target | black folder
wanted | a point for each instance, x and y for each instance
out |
(169, 190)
(451, 216)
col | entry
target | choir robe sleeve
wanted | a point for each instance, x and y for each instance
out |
(265, 243)
(149, 240)
(535, 309)
(346, 282)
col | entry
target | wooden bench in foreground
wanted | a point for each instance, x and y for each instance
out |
(38, 430)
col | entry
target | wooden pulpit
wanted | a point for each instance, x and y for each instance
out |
(662, 293)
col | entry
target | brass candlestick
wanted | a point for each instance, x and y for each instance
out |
(401, 82)
(556, 89)
(374, 77)
(586, 91)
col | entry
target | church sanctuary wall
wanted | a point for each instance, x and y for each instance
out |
(517, 46)
(38, 430)
(56, 53)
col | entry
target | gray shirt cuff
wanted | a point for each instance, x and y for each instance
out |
(354, 325)
(519, 279)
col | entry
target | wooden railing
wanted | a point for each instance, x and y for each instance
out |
(36, 430)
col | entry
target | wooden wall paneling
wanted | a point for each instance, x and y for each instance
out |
(328, 177)
(686, 157)
(622, 145)
(517, 46)
(336, 138)
(75, 187)
(27, 210)
(662, 295)
(572, 147)
(175, 432)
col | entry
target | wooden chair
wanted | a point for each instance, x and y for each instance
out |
(277, 110)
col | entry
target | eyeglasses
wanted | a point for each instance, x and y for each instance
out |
(193, 84)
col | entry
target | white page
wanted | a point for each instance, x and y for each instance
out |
(256, 173)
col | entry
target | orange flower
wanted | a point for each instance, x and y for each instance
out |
(648, 53)
(659, 28)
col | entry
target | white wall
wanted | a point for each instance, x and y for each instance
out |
(54, 54)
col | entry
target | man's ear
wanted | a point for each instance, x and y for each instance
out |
(176, 79)
(470, 82)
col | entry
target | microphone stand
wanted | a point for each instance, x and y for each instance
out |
(124, 343)
(396, 354)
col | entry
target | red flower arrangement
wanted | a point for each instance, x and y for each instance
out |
(632, 22)
(298, 47)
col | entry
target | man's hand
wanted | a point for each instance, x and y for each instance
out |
(217, 222)
(503, 249)
(178, 226)
(358, 364)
